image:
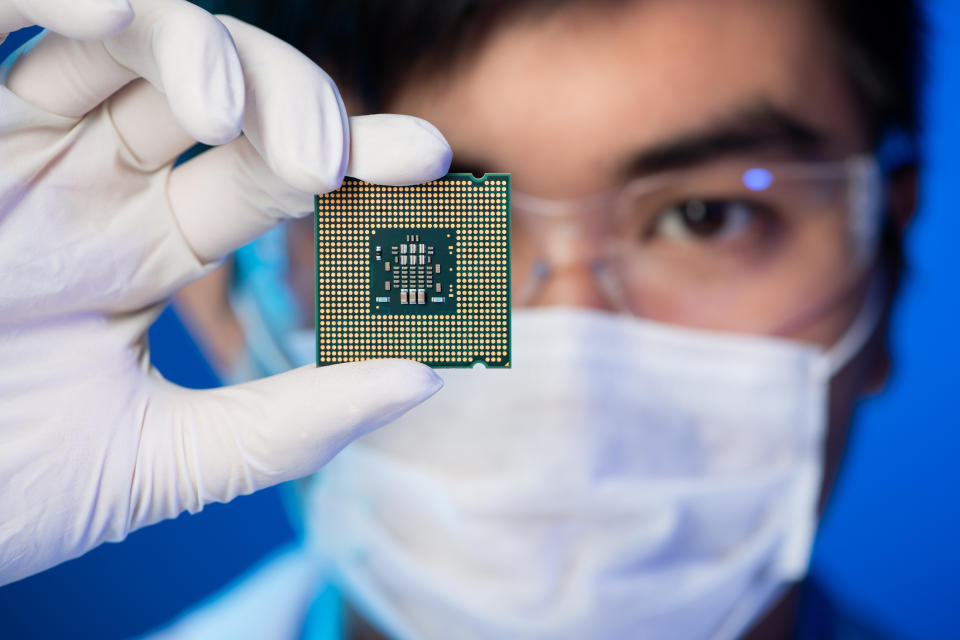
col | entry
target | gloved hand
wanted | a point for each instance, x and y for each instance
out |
(97, 230)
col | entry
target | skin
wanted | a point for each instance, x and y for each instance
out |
(584, 99)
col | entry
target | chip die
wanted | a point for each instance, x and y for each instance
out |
(419, 272)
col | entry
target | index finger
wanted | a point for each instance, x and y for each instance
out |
(182, 50)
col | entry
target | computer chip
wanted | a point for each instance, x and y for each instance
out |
(419, 272)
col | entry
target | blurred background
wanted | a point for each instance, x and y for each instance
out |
(887, 547)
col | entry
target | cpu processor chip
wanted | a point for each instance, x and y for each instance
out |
(419, 272)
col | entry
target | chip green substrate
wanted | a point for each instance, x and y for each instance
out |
(419, 272)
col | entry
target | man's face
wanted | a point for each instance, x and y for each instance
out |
(590, 96)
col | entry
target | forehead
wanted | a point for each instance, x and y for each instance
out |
(561, 99)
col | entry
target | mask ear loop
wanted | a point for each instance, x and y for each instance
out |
(866, 212)
(859, 332)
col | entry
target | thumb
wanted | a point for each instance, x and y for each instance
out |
(208, 446)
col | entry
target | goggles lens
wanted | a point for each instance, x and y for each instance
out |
(738, 246)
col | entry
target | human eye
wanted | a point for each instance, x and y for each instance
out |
(712, 221)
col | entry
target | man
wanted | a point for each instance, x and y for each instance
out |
(708, 211)
(693, 178)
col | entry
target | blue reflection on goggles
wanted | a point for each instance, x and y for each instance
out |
(757, 179)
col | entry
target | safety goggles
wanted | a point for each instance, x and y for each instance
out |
(737, 245)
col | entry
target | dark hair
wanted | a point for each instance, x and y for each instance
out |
(371, 46)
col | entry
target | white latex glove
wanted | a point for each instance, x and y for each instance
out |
(97, 230)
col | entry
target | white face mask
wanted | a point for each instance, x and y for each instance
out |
(624, 479)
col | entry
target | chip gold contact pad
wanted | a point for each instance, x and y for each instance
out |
(419, 272)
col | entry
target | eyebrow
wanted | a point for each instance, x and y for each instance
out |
(757, 127)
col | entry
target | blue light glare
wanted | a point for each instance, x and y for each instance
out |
(757, 179)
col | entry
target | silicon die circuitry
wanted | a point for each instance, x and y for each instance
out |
(419, 272)
(414, 271)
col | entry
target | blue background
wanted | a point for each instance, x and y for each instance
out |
(888, 546)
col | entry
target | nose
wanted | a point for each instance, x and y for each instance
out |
(571, 285)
